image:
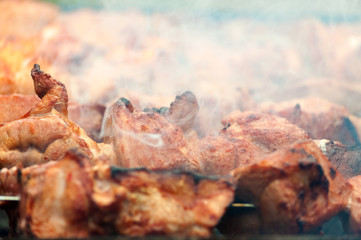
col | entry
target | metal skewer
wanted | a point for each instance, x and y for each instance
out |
(17, 198)
(244, 205)
(9, 198)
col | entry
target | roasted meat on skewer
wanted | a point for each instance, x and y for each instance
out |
(351, 217)
(246, 138)
(320, 118)
(71, 199)
(143, 139)
(266, 131)
(45, 133)
(346, 159)
(182, 111)
(296, 189)
(89, 117)
(15, 106)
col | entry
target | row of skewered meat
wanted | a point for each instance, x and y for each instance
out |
(73, 186)
(76, 166)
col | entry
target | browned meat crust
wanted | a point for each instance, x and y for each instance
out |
(346, 159)
(69, 199)
(89, 117)
(55, 199)
(44, 133)
(296, 189)
(264, 130)
(246, 138)
(13, 107)
(143, 139)
(320, 119)
(351, 217)
(52, 93)
(182, 111)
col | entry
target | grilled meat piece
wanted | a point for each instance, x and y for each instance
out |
(296, 189)
(218, 155)
(143, 139)
(351, 217)
(55, 200)
(182, 111)
(346, 159)
(163, 202)
(246, 138)
(15, 106)
(214, 155)
(52, 93)
(38, 139)
(70, 199)
(264, 130)
(320, 118)
(45, 133)
(89, 117)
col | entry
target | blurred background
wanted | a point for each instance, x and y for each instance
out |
(231, 54)
(327, 11)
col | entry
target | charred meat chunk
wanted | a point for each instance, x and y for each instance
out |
(143, 139)
(247, 137)
(45, 133)
(182, 111)
(320, 118)
(296, 189)
(71, 199)
(346, 159)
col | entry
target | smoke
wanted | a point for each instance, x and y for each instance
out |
(149, 139)
(219, 50)
(110, 129)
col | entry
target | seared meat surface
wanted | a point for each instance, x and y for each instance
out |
(45, 133)
(320, 118)
(246, 138)
(89, 117)
(52, 93)
(351, 217)
(296, 189)
(70, 199)
(15, 106)
(143, 139)
(55, 199)
(182, 111)
(264, 130)
(346, 159)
